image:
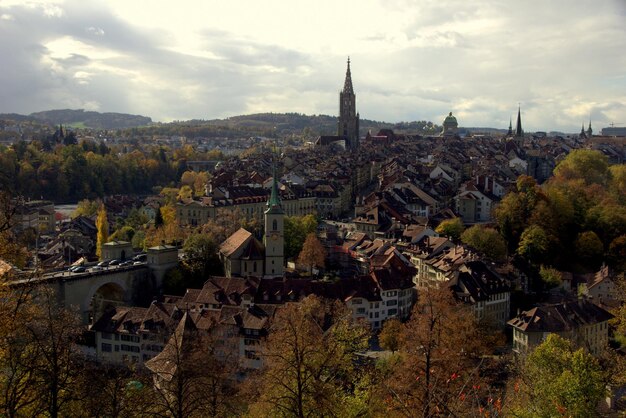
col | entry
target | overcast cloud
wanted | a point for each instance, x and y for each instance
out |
(563, 60)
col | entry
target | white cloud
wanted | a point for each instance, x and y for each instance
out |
(412, 59)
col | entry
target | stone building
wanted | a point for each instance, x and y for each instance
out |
(348, 117)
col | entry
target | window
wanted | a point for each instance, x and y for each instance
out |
(274, 225)
(392, 312)
(360, 311)
(131, 348)
(106, 347)
(251, 355)
(132, 338)
(392, 302)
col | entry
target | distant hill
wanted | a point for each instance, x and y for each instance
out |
(260, 124)
(82, 119)
(279, 124)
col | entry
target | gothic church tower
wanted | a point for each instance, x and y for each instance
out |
(348, 118)
(274, 237)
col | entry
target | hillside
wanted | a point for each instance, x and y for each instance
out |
(278, 124)
(82, 119)
(260, 124)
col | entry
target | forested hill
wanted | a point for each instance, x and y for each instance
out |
(80, 118)
(281, 124)
(260, 124)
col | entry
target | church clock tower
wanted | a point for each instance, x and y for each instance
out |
(274, 238)
(348, 127)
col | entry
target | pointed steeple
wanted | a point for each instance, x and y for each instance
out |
(518, 130)
(510, 133)
(582, 131)
(273, 204)
(589, 130)
(347, 85)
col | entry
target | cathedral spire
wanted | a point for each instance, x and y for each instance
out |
(273, 204)
(589, 131)
(347, 85)
(510, 133)
(518, 130)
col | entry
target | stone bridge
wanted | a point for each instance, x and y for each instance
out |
(92, 292)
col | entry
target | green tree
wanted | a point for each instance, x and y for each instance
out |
(296, 230)
(534, 244)
(201, 258)
(589, 249)
(617, 183)
(557, 380)
(309, 361)
(389, 337)
(103, 230)
(452, 228)
(617, 253)
(551, 277)
(488, 241)
(591, 166)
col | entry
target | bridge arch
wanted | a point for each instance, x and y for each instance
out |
(103, 296)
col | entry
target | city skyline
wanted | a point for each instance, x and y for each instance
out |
(411, 60)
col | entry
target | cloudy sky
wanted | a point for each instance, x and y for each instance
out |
(563, 60)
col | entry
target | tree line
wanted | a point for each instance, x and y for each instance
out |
(70, 171)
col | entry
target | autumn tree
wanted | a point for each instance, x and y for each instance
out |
(125, 233)
(309, 361)
(189, 379)
(296, 230)
(439, 359)
(38, 356)
(555, 379)
(87, 208)
(550, 277)
(185, 192)
(591, 166)
(103, 230)
(313, 253)
(486, 240)
(452, 228)
(122, 392)
(389, 337)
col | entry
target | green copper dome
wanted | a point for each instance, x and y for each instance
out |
(450, 119)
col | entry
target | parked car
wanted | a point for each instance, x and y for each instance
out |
(114, 262)
(79, 269)
(140, 257)
(96, 268)
(104, 263)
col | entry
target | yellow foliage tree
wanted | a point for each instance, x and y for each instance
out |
(103, 230)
